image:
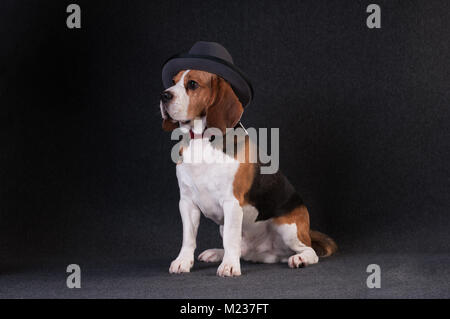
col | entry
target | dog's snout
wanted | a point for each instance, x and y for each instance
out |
(166, 96)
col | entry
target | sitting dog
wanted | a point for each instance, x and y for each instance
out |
(261, 217)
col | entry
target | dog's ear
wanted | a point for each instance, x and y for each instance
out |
(169, 126)
(226, 109)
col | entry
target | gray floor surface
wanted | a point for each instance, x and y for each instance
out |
(340, 276)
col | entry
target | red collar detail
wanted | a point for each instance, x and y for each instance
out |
(193, 135)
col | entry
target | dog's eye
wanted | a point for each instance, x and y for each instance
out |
(192, 85)
(173, 82)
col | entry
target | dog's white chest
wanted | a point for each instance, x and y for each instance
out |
(206, 176)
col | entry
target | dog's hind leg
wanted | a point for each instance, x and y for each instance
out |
(293, 229)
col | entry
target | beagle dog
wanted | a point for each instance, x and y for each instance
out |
(261, 216)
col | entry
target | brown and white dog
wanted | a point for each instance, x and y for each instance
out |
(261, 217)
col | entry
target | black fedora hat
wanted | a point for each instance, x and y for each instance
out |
(210, 57)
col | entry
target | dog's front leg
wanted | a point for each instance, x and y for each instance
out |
(190, 216)
(232, 234)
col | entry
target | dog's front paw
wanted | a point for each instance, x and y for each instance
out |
(229, 268)
(180, 265)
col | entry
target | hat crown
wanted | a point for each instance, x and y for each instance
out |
(212, 49)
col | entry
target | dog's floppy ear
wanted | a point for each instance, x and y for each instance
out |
(169, 126)
(226, 109)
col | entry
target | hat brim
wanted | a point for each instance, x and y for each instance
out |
(239, 83)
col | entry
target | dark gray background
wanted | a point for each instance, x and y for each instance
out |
(85, 169)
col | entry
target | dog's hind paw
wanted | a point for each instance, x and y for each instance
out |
(211, 255)
(302, 260)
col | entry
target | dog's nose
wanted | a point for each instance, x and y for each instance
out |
(166, 96)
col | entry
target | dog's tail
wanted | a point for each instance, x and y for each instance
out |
(322, 244)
